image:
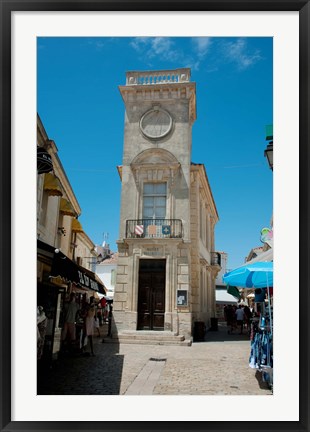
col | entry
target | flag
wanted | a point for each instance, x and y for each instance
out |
(166, 230)
(234, 291)
(139, 229)
(152, 229)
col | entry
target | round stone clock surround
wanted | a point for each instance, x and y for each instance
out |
(156, 123)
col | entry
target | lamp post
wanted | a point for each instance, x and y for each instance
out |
(97, 259)
(269, 149)
(269, 154)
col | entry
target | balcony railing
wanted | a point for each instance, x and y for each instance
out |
(215, 258)
(158, 77)
(154, 228)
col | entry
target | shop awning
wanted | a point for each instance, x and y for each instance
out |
(76, 226)
(66, 208)
(222, 297)
(52, 185)
(69, 271)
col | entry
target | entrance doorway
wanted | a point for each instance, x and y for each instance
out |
(151, 294)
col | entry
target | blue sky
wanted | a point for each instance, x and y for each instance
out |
(82, 111)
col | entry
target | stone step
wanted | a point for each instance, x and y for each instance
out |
(149, 338)
(142, 334)
(152, 342)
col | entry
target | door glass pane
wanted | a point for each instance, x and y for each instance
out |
(148, 202)
(148, 188)
(148, 213)
(159, 202)
(160, 213)
(160, 188)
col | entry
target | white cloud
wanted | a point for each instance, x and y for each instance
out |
(165, 48)
(239, 53)
(157, 46)
(235, 51)
(201, 46)
(139, 43)
(161, 46)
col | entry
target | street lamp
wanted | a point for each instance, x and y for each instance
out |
(269, 149)
(269, 154)
(98, 259)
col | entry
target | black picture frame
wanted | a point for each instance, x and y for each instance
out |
(182, 298)
(7, 7)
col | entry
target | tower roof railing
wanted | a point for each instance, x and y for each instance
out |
(158, 77)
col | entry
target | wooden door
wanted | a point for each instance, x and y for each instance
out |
(151, 298)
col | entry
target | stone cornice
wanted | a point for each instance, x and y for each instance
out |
(214, 269)
(162, 93)
(85, 240)
(151, 242)
(161, 163)
(58, 169)
(60, 173)
(200, 170)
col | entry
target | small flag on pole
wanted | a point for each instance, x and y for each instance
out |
(234, 291)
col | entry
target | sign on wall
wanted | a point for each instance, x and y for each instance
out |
(182, 299)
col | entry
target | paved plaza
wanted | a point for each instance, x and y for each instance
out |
(219, 365)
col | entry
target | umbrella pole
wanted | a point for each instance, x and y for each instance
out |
(268, 293)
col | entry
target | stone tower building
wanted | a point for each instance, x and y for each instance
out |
(166, 268)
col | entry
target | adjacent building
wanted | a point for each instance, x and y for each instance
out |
(106, 270)
(64, 250)
(223, 298)
(166, 268)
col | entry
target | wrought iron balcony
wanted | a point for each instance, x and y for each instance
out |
(154, 228)
(215, 258)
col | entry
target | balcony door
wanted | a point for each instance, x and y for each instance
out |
(154, 200)
(151, 294)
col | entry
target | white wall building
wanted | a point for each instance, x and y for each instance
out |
(106, 270)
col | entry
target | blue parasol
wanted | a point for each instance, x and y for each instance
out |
(256, 275)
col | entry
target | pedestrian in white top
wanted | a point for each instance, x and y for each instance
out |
(70, 311)
(240, 318)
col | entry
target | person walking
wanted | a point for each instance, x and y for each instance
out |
(41, 331)
(88, 330)
(96, 325)
(247, 318)
(240, 318)
(230, 318)
(71, 309)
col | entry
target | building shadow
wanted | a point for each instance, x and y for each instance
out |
(223, 334)
(82, 374)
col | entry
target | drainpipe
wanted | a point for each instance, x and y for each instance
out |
(74, 246)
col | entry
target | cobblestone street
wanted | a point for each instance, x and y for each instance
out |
(217, 366)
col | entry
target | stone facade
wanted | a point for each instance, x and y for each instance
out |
(59, 233)
(160, 109)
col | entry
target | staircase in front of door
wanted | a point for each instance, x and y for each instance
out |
(145, 337)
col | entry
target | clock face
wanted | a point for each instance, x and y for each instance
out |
(156, 123)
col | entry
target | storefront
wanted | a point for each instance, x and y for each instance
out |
(258, 276)
(57, 276)
(223, 298)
